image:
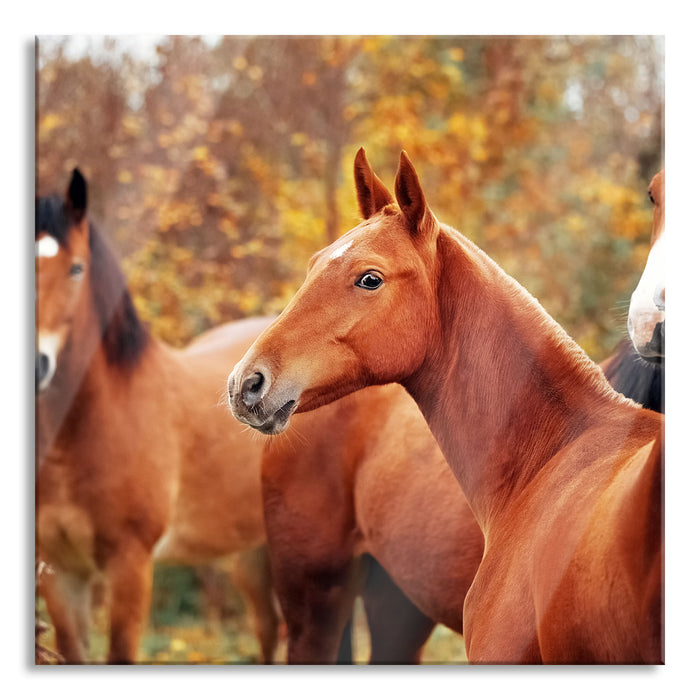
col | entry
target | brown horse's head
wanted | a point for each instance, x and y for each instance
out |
(62, 246)
(82, 300)
(363, 315)
(647, 313)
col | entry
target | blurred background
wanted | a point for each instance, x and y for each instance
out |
(217, 165)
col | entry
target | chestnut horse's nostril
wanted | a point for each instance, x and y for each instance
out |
(252, 389)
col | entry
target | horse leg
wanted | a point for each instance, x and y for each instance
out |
(130, 577)
(397, 628)
(317, 605)
(67, 595)
(252, 576)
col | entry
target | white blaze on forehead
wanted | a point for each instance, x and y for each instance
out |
(340, 251)
(46, 247)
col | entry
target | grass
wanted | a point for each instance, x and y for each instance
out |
(183, 630)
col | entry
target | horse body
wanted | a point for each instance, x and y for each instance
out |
(364, 476)
(572, 572)
(543, 449)
(127, 460)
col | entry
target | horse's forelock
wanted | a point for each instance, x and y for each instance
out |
(50, 218)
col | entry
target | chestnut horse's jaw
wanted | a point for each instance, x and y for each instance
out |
(255, 401)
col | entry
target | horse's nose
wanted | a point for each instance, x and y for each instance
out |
(660, 297)
(41, 368)
(252, 389)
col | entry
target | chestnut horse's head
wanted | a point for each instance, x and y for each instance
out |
(62, 245)
(363, 315)
(647, 313)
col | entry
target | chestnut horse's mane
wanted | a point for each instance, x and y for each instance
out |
(124, 336)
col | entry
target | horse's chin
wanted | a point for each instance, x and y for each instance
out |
(279, 420)
(273, 424)
(653, 351)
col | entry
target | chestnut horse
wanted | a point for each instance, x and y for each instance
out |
(562, 473)
(646, 320)
(129, 465)
(364, 476)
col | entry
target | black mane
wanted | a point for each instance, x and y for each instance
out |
(637, 379)
(124, 336)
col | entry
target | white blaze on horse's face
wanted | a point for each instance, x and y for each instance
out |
(339, 252)
(47, 347)
(647, 312)
(648, 304)
(46, 247)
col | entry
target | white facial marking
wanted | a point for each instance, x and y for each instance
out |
(337, 253)
(647, 306)
(48, 344)
(46, 247)
(652, 280)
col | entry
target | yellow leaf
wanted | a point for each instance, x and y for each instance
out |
(178, 645)
(200, 153)
(50, 122)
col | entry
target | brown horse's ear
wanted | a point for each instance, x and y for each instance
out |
(372, 194)
(76, 197)
(411, 199)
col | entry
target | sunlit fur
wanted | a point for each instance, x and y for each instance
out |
(133, 447)
(563, 474)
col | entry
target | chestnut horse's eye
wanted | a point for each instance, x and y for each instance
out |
(369, 280)
(76, 269)
(651, 197)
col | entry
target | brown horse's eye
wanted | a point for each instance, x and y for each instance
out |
(369, 280)
(651, 197)
(76, 269)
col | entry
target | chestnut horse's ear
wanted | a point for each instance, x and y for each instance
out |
(76, 197)
(372, 194)
(411, 199)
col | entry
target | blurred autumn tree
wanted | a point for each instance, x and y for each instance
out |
(217, 167)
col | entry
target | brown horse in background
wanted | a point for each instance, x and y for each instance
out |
(129, 464)
(563, 474)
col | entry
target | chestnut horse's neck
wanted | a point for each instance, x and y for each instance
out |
(504, 388)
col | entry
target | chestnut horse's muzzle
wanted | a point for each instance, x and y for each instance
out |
(254, 402)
